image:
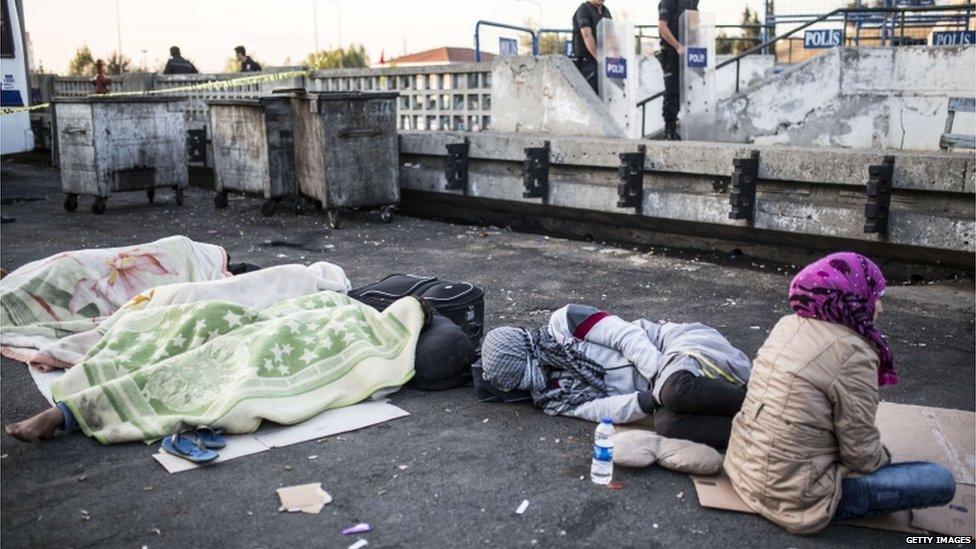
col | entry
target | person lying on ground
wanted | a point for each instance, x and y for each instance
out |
(256, 289)
(805, 449)
(163, 370)
(589, 364)
(72, 292)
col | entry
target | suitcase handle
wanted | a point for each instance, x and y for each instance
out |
(359, 132)
(76, 131)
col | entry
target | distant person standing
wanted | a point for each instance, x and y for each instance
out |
(247, 64)
(178, 65)
(585, 23)
(101, 82)
(669, 14)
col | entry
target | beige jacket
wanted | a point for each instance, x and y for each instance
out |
(807, 421)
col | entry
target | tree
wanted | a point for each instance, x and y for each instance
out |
(724, 44)
(117, 64)
(551, 44)
(82, 63)
(352, 57)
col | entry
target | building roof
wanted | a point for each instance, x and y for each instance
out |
(439, 56)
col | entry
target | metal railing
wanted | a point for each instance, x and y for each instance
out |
(845, 16)
(481, 23)
(431, 98)
(557, 32)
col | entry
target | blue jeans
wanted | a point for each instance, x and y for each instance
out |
(912, 485)
(68, 424)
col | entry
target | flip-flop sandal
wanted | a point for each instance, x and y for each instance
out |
(188, 449)
(211, 437)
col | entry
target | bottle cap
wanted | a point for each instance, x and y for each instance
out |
(607, 420)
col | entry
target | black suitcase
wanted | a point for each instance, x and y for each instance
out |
(382, 294)
(461, 302)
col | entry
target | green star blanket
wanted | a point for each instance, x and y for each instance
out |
(159, 371)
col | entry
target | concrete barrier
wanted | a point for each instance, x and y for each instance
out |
(547, 95)
(810, 198)
(894, 98)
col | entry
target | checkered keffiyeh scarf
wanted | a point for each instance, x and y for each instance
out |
(519, 358)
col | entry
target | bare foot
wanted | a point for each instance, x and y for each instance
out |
(41, 426)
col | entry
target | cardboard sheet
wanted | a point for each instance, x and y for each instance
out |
(304, 498)
(911, 433)
(716, 492)
(330, 422)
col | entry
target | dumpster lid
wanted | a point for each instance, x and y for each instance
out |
(347, 95)
(247, 101)
(235, 102)
(155, 98)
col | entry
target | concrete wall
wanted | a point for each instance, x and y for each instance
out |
(805, 197)
(893, 98)
(546, 95)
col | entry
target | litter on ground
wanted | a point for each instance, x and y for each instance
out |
(304, 498)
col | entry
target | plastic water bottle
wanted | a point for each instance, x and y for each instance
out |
(601, 470)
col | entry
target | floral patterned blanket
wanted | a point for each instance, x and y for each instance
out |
(257, 289)
(71, 292)
(158, 371)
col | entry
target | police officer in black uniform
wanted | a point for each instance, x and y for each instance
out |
(585, 23)
(669, 13)
(178, 65)
(247, 64)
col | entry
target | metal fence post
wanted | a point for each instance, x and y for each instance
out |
(477, 42)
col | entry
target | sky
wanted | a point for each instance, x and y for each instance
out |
(280, 31)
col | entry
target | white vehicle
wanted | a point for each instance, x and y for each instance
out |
(15, 129)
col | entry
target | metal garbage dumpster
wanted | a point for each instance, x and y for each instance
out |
(119, 144)
(252, 149)
(346, 150)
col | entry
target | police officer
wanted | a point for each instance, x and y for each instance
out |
(178, 65)
(585, 23)
(669, 13)
(247, 64)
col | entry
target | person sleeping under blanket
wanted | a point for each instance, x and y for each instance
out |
(220, 364)
(589, 364)
(347, 348)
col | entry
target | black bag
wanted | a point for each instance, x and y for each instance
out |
(461, 302)
(444, 356)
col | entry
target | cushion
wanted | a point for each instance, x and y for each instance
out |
(444, 356)
(635, 448)
(639, 448)
(688, 457)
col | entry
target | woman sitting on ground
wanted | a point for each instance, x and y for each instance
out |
(592, 365)
(805, 449)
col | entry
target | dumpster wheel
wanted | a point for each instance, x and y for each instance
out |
(220, 200)
(179, 196)
(268, 208)
(98, 206)
(151, 195)
(333, 218)
(301, 206)
(70, 202)
(386, 214)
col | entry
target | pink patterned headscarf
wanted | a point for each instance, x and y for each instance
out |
(842, 288)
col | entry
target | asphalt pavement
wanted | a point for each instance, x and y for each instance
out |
(469, 464)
